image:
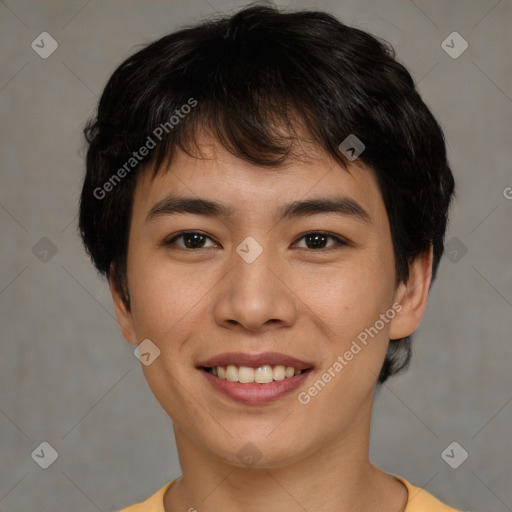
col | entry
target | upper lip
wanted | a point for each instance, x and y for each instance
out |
(254, 360)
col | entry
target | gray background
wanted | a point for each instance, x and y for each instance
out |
(68, 377)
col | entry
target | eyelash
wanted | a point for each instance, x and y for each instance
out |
(340, 241)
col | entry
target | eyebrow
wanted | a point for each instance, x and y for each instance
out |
(342, 205)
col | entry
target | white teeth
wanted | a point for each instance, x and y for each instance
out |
(262, 375)
(231, 373)
(245, 374)
(279, 372)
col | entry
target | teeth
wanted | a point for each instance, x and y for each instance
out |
(264, 375)
(261, 375)
(279, 372)
(245, 374)
(289, 372)
(231, 373)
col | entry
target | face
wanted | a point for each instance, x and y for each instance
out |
(266, 280)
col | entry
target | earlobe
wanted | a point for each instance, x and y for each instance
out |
(412, 296)
(123, 313)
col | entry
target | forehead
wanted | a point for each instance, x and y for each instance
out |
(216, 175)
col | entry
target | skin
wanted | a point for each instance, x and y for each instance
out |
(296, 299)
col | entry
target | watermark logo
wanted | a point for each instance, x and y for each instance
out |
(144, 150)
(454, 455)
(146, 352)
(352, 147)
(249, 249)
(454, 45)
(45, 455)
(44, 250)
(44, 45)
(249, 455)
(455, 249)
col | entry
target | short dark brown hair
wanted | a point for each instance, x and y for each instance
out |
(251, 79)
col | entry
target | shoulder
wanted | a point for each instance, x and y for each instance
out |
(154, 503)
(421, 500)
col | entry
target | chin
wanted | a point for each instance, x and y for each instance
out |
(256, 451)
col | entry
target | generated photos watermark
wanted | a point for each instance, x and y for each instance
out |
(304, 397)
(144, 150)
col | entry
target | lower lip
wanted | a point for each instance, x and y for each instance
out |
(255, 394)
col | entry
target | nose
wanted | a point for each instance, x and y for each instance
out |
(255, 296)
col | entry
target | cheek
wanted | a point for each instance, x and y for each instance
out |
(352, 297)
(164, 296)
(166, 300)
(349, 312)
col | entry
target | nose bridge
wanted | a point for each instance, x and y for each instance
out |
(254, 269)
(252, 261)
(253, 292)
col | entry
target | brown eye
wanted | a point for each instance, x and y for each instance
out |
(191, 240)
(318, 239)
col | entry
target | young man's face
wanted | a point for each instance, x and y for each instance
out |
(307, 298)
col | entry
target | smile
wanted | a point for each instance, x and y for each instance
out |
(254, 379)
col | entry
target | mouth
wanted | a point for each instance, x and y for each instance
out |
(255, 378)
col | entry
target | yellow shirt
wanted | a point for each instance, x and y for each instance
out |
(419, 501)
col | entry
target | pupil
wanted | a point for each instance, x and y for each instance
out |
(194, 236)
(316, 238)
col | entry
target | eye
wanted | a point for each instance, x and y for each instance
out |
(192, 240)
(317, 240)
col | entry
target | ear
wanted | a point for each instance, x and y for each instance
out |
(412, 296)
(123, 313)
